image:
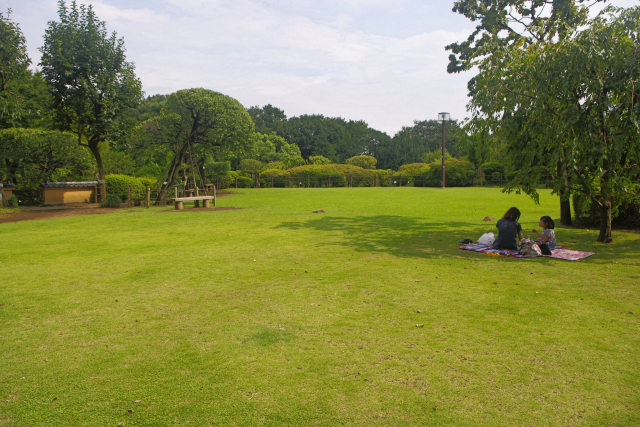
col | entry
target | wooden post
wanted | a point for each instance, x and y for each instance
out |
(129, 197)
(175, 192)
(148, 196)
(214, 196)
(205, 203)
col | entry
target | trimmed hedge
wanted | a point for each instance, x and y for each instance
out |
(460, 173)
(118, 185)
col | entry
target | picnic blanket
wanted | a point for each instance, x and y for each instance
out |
(559, 253)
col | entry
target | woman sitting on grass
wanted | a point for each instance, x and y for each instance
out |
(509, 230)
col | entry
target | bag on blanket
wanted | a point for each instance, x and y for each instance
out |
(487, 239)
(529, 247)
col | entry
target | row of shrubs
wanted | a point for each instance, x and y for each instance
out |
(460, 173)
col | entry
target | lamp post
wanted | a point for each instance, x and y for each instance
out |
(443, 117)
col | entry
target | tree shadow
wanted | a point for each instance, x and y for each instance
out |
(416, 237)
(397, 235)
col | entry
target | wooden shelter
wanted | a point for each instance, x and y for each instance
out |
(56, 193)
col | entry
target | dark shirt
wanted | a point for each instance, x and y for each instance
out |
(507, 234)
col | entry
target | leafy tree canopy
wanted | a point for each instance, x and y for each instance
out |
(92, 83)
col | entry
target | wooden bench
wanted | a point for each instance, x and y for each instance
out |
(205, 201)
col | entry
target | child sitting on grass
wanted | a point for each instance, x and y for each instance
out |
(546, 240)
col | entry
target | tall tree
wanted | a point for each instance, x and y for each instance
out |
(92, 83)
(512, 24)
(583, 129)
(411, 143)
(200, 124)
(268, 118)
(13, 51)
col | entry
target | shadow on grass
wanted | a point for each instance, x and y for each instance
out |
(416, 237)
(396, 235)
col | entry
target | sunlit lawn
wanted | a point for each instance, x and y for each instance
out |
(271, 314)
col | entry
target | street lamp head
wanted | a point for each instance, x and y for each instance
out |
(444, 116)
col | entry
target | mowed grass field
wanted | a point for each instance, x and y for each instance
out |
(270, 314)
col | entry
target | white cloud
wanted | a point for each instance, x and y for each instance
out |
(270, 52)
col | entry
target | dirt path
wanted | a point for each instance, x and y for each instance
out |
(47, 212)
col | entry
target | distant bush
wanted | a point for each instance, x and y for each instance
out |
(493, 172)
(364, 161)
(459, 173)
(150, 170)
(274, 178)
(337, 175)
(118, 185)
(242, 181)
(111, 201)
(12, 201)
(411, 174)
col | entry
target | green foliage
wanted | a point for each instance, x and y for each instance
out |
(151, 170)
(271, 148)
(364, 161)
(275, 165)
(267, 119)
(581, 130)
(411, 143)
(411, 173)
(275, 178)
(319, 160)
(242, 181)
(334, 139)
(111, 201)
(29, 157)
(13, 51)
(116, 162)
(625, 213)
(434, 156)
(26, 103)
(94, 88)
(493, 172)
(459, 173)
(118, 185)
(12, 201)
(197, 125)
(337, 175)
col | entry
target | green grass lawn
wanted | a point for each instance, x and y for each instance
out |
(271, 314)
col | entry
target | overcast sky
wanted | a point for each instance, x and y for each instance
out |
(381, 61)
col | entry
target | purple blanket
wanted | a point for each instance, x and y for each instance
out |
(559, 253)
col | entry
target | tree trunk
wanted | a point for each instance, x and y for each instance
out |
(565, 192)
(565, 211)
(93, 146)
(171, 175)
(605, 223)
